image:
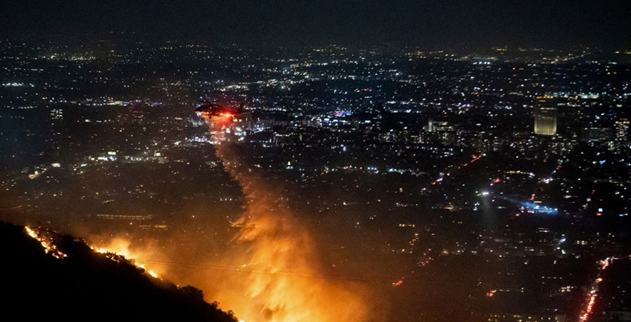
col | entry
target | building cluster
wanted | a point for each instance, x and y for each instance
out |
(503, 174)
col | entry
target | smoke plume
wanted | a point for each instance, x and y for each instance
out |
(283, 282)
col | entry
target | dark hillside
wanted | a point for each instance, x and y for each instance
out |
(88, 286)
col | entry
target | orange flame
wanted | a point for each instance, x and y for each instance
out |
(121, 247)
(280, 286)
(46, 242)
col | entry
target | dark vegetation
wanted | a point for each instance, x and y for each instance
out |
(88, 286)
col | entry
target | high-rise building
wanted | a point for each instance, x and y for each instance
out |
(621, 129)
(545, 117)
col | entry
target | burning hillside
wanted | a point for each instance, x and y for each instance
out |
(48, 275)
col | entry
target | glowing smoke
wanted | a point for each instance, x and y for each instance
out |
(283, 260)
(270, 272)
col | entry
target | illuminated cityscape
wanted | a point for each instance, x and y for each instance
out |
(320, 180)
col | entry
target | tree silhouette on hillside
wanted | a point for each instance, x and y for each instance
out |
(88, 286)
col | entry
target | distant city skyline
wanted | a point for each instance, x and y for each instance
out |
(557, 24)
(321, 183)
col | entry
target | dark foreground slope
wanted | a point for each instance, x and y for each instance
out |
(87, 286)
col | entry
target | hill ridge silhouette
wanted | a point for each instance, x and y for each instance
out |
(88, 286)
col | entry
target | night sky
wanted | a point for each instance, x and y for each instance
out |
(550, 23)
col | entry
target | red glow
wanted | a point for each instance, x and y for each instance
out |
(593, 293)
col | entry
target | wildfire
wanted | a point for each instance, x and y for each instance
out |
(46, 242)
(49, 246)
(123, 254)
(279, 244)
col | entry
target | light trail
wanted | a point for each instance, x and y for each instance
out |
(440, 179)
(593, 293)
